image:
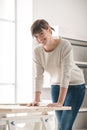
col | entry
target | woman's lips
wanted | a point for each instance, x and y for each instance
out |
(44, 41)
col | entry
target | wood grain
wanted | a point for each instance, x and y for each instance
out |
(24, 109)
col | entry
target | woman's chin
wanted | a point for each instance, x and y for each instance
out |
(43, 43)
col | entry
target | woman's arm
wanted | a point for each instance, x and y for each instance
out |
(66, 67)
(37, 96)
(62, 96)
(36, 100)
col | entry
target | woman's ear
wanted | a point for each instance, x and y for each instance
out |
(50, 30)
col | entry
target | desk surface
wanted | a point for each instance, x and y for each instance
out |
(5, 109)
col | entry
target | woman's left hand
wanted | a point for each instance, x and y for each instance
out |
(54, 105)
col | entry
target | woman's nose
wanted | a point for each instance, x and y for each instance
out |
(40, 39)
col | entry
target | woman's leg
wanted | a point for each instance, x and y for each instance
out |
(74, 98)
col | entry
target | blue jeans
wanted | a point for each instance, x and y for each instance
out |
(74, 98)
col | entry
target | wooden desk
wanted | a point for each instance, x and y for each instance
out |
(34, 113)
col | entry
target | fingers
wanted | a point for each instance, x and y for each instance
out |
(49, 105)
(53, 105)
(33, 104)
(29, 104)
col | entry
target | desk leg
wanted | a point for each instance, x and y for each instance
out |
(45, 124)
(2, 123)
(10, 126)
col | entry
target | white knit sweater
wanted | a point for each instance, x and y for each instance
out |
(59, 64)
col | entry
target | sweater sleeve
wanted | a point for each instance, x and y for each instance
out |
(38, 71)
(66, 64)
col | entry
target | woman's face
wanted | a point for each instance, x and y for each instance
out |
(44, 36)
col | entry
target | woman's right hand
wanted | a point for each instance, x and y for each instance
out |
(33, 104)
(36, 99)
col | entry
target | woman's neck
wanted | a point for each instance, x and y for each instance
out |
(52, 45)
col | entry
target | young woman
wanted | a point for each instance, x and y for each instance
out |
(55, 56)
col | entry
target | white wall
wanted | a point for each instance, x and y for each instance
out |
(70, 15)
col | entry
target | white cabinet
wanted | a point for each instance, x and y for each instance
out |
(81, 64)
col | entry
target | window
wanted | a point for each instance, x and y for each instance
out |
(7, 51)
(15, 51)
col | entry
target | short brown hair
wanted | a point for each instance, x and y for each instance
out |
(38, 25)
